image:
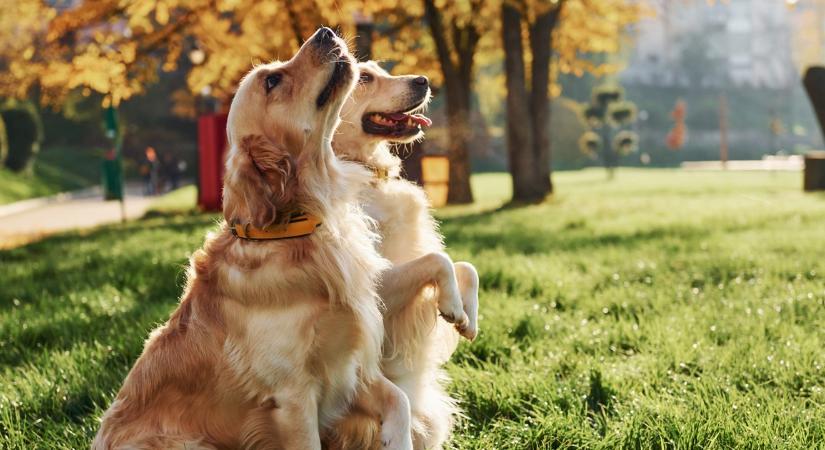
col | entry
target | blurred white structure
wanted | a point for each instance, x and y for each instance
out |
(792, 163)
(741, 42)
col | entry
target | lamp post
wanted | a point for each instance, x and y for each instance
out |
(723, 130)
(113, 162)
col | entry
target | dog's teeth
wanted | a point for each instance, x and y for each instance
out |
(409, 122)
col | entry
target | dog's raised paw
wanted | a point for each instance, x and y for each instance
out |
(467, 331)
(459, 319)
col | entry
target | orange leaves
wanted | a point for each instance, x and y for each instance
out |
(162, 13)
(592, 26)
(138, 13)
(115, 47)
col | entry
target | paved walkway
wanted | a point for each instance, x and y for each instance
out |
(793, 163)
(29, 220)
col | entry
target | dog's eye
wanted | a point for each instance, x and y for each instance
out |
(272, 80)
(365, 77)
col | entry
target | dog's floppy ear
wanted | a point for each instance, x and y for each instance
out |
(270, 180)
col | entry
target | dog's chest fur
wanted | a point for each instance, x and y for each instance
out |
(402, 211)
(305, 336)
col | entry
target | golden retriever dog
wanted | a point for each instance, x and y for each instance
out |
(279, 326)
(423, 281)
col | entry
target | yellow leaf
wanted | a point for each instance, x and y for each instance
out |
(162, 13)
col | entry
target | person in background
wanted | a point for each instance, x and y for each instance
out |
(171, 172)
(150, 171)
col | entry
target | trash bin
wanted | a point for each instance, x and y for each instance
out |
(814, 178)
(211, 159)
(435, 172)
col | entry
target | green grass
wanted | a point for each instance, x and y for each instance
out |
(664, 309)
(55, 170)
(180, 201)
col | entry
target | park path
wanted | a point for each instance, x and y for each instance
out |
(30, 220)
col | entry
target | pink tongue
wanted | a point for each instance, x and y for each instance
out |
(422, 120)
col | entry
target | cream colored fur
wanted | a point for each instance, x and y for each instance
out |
(423, 281)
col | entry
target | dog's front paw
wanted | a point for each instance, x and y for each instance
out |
(455, 316)
(467, 278)
(469, 330)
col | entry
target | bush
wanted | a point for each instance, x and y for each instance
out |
(23, 135)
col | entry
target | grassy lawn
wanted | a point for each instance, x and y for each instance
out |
(56, 169)
(664, 309)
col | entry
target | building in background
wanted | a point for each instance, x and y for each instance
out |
(740, 42)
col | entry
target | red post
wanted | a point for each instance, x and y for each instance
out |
(211, 159)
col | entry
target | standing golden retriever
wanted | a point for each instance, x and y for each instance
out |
(423, 281)
(279, 324)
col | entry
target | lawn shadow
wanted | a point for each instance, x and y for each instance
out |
(534, 237)
(529, 240)
(51, 274)
(56, 276)
(99, 327)
(154, 294)
(477, 231)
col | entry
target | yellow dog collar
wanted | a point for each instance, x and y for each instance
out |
(380, 173)
(299, 225)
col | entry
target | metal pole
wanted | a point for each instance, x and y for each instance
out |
(114, 187)
(119, 159)
(723, 130)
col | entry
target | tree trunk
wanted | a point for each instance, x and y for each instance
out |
(460, 132)
(519, 131)
(814, 82)
(458, 83)
(609, 156)
(541, 34)
(528, 110)
(363, 41)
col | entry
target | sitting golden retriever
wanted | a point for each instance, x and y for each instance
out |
(381, 110)
(279, 326)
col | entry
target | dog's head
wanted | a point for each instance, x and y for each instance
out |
(384, 108)
(282, 117)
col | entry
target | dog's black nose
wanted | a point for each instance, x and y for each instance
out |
(324, 34)
(421, 81)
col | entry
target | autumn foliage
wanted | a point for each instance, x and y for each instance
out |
(116, 48)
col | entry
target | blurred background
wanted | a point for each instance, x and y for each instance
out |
(584, 83)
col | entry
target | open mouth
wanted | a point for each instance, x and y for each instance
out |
(397, 124)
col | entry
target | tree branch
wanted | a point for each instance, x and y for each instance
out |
(434, 21)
